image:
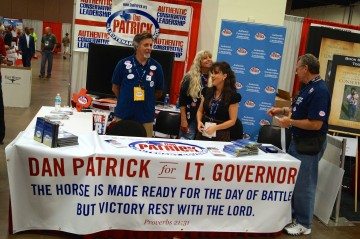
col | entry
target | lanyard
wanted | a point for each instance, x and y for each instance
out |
(316, 79)
(214, 105)
(204, 80)
(140, 77)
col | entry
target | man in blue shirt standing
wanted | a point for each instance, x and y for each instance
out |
(137, 82)
(308, 119)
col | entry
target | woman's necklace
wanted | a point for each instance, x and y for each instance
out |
(217, 97)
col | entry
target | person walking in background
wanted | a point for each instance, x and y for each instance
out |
(8, 37)
(137, 82)
(66, 45)
(308, 118)
(191, 85)
(26, 47)
(33, 34)
(218, 109)
(2, 60)
(48, 44)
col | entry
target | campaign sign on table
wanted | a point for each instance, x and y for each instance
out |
(254, 52)
(109, 182)
(116, 22)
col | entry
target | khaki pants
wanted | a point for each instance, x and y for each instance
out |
(148, 127)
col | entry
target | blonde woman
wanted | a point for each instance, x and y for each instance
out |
(191, 85)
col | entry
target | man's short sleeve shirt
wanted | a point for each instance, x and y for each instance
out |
(313, 103)
(129, 73)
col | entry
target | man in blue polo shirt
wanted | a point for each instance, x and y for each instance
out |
(138, 81)
(308, 119)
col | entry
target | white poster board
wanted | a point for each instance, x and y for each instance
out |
(16, 86)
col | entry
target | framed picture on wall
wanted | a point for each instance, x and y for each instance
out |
(344, 86)
(324, 43)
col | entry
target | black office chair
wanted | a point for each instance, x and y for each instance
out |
(168, 123)
(236, 131)
(270, 134)
(126, 128)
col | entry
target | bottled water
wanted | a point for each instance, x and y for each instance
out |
(57, 102)
(166, 100)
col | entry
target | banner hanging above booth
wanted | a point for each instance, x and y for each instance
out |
(117, 22)
(254, 53)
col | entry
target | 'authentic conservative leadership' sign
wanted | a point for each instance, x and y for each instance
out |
(116, 22)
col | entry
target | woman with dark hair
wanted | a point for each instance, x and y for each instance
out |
(189, 100)
(218, 109)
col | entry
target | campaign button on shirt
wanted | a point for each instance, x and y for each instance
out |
(128, 66)
(127, 62)
(152, 84)
(148, 78)
(130, 76)
(152, 67)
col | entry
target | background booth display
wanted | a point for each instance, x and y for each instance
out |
(102, 60)
(345, 89)
(307, 38)
(341, 73)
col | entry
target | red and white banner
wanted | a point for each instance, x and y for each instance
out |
(146, 184)
(116, 22)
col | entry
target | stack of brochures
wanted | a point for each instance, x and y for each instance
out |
(66, 139)
(47, 132)
(242, 147)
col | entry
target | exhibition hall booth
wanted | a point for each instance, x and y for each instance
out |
(99, 185)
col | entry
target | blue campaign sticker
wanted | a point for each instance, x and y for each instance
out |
(124, 24)
(168, 148)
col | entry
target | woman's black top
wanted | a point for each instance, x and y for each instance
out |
(191, 105)
(217, 110)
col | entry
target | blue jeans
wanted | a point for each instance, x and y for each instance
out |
(191, 133)
(47, 56)
(303, 199)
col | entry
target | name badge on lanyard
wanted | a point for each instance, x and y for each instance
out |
(139, 94)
